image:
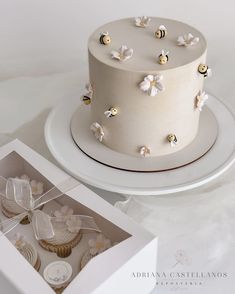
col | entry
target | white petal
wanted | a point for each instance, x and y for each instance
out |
(115, 54)
(206, 97)
(162, 27)
(158, 78)
(164, 53)
(104, 33)
(189, 36)
(160, 86)
(181, 40)
(107, 113)
(100, 135)
(149, 77)
(209, 72)
(147, 20)
(128, 53)
(89, 87)
(153, 91)
(94, 126)
(25, 177)
(195, 41)
(138, 22)
(144, 86)
(122, 49)
(144, 151)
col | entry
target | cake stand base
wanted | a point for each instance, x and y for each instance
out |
(216, 161)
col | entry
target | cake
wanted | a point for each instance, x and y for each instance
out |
(146, 85)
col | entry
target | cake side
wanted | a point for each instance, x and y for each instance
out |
(142, 119)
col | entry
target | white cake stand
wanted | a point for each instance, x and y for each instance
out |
(215, 162)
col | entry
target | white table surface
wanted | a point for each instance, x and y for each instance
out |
(43, 59)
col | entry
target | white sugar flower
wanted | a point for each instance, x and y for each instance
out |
(19, 241)
(25, 177)
(74, 224)
(144, 151)
(89, 89)
(63, 214)
(99, 245)
(36, 187)
(201, 99)
(152, 84)
(123, 53)
(142, 21)
(187, 40)
(86, 98)
(97, 131)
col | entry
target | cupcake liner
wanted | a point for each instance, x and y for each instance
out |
(31, 255)
(62, 250)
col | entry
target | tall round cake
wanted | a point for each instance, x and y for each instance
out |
(146, 85)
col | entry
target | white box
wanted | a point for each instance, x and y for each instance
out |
(113, 271)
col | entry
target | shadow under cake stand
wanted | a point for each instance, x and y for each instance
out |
(74, 147)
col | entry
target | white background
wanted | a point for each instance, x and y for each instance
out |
(43, 58)
(44, 37)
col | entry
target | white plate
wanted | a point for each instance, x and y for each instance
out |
(86, 141)
(74, 161)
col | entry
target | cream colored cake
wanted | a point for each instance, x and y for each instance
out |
(146, 98)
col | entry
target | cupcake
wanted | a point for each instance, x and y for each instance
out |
(67, 232)
(58, 275)
(96, 246)
(27, 250)
(10, 208)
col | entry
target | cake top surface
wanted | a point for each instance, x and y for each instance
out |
(146, 47)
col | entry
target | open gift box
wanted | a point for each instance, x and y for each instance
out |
(128, 266)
